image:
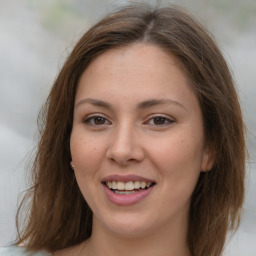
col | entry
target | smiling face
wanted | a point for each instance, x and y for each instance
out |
(137, 142)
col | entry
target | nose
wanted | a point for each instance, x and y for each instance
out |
(124, 147)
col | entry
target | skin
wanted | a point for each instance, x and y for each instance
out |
(128, 139)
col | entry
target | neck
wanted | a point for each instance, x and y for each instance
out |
(167, 241)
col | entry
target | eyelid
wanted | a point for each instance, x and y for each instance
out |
(150, 117)
(167, 117)
(95, 115)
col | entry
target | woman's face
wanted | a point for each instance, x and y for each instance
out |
(137, 142)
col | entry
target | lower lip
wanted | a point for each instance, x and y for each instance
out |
(125, 200)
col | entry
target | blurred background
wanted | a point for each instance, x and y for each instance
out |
(35, 38)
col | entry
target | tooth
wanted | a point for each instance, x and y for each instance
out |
(120, 185)
(129, 185)
(109, 184)
(143, 184)
(114, 185)
(136, 184)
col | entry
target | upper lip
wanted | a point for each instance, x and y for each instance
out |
(126, 178)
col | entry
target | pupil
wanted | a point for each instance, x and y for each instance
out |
(99, 120)
(159, 120)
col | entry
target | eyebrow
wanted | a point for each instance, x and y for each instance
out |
(94, 102)
(154, 102)
(142, 105)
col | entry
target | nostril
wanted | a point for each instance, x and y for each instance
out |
(124, 151)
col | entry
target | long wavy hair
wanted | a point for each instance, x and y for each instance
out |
(56, 214)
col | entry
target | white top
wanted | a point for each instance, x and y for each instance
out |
(20, 251)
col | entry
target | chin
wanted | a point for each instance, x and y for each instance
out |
(130, 226)
(130, 231)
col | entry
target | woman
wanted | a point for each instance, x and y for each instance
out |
(142, 150)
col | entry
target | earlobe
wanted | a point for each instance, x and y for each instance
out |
(72, 165)
(208, 160)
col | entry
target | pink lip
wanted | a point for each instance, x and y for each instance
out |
(125, 200)
(126, 178)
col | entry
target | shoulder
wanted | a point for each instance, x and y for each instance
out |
(70, 251)
(20, 251)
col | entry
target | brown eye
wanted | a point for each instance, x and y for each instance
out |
(99, 120)
(160, 121)
(96, 120)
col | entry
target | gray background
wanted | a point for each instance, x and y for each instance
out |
(35, 38)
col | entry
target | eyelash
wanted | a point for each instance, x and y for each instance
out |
(93, 118)
(163, 118)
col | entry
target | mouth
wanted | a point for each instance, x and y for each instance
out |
(129, 187)
(125, 190)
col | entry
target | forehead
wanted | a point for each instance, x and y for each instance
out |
(125, 77)
(139, 65)
(137, 55)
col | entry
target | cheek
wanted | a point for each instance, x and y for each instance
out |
(86, 157)
(179, 166)
(178, 159)
(86, 153)
(177, 152)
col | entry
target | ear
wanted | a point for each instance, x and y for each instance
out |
(72, 165)
(208, 160)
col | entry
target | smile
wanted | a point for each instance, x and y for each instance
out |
(126, 188)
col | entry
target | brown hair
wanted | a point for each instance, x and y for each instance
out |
(59, 216)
